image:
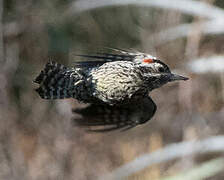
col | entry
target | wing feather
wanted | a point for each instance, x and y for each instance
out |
(104, 58)
(104, 118)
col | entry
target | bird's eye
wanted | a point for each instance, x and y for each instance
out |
(161, 69)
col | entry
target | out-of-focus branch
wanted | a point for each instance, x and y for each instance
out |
(205, 170)
(215, 24)
(173, 151)
(190, 7)
(183, 30)
(213, 64)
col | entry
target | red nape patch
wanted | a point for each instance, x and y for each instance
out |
(148, 60)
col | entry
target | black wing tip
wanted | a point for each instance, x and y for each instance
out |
(91, 125)
(114, 128)
(103, 58)
(102, 128)
(39, 78)
(41, 93)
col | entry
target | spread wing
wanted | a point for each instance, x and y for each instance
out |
(103, 118)
(101, 58)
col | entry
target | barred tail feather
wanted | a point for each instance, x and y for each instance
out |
(55, 82)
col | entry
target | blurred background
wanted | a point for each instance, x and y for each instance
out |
(37, 137)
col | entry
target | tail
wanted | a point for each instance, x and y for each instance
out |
(55, 82)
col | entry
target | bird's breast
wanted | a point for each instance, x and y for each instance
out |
(115, 82)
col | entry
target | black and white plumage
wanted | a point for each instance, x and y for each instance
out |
(114, 85)
(121, 117)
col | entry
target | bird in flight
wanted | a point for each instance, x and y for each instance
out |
(116, 85)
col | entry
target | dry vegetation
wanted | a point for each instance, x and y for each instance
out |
(38, 139)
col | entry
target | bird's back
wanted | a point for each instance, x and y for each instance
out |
(115, 82)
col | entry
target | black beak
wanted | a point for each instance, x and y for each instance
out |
(176, 77)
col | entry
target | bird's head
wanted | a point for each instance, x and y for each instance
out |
(157, 72)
